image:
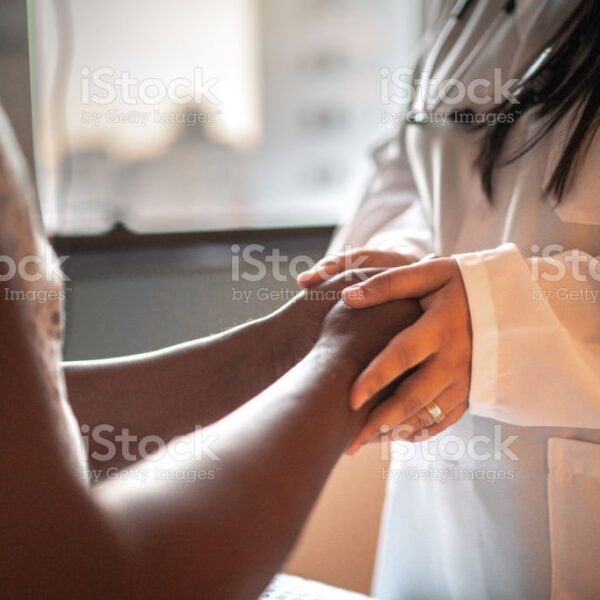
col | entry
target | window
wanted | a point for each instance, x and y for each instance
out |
(195, 114)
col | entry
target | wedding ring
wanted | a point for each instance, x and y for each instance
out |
(436, 412)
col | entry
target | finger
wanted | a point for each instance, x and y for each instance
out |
(452, 417)
(412, 395)
(451, 404)
(403, 432)
(359, 258)
(323, 270)
(412, 281)
(405, 351)
(447, 401)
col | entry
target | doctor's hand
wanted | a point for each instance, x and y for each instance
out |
(358, 258)
(437, 347)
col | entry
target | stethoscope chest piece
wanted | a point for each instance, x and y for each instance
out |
(417, 117)
(463, 116)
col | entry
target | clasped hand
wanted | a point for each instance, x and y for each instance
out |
(431, 357)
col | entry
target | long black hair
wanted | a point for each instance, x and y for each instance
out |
(570, 78)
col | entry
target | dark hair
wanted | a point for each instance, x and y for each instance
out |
(569, 78)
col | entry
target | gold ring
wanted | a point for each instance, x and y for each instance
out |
(436, 412)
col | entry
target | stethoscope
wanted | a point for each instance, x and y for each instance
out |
(419, 113)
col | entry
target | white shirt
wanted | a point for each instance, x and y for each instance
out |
(534, 533)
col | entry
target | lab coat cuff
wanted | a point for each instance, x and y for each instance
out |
(480, 270)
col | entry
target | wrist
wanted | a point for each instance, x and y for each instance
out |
(276, 340)
(293, 330)
(330, 373)
(336, 355)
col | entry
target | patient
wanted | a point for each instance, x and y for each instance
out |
(212, 515)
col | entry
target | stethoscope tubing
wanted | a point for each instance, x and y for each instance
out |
(418, 114)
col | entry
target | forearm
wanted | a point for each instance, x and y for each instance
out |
(275, 454)
(228, 535)
(168, 392)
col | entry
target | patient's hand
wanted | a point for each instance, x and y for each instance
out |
(358, 336)
(296, 326)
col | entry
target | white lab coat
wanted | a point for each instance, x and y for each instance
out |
(497, 527)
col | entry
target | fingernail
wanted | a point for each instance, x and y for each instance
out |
(356, 402)
(354, 293)
(354, 448)
(304, 275)
(329, 267)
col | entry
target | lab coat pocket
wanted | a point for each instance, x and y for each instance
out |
(574, 511)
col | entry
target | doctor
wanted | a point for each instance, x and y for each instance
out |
(507, 352)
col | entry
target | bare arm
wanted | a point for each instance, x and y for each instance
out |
(221, 538)
(171, 391)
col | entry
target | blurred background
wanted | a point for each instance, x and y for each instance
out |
(170, 116)
(163, 134)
